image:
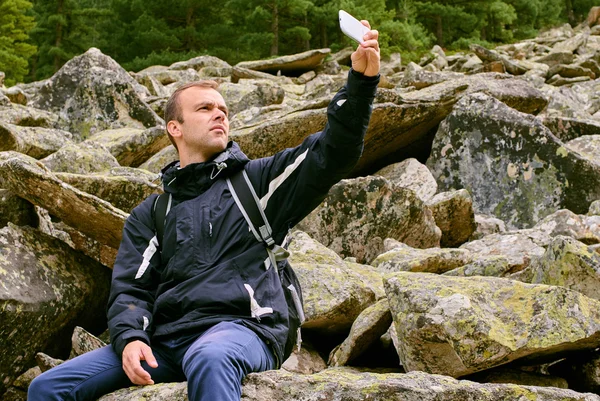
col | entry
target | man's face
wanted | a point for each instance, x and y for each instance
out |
(205, 128)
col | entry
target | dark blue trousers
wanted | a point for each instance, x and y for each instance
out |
(213, 363)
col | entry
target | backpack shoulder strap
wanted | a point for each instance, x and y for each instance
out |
(243, 193)
(162, 205)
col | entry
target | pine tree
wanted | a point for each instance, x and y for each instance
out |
(14, 34)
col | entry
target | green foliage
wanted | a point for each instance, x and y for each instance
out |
(14, 33)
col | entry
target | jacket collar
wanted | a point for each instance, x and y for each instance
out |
(196, 178)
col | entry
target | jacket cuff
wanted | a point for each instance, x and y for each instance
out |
(361, 85)
(121, 342)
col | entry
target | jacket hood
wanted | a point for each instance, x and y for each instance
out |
(195, 178)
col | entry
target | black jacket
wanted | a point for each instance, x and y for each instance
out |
(212, 268)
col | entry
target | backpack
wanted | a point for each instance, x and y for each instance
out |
(243, 193)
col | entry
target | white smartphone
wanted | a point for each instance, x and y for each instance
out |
(352, 27)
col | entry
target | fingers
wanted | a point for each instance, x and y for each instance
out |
(365, 23)
(133, 353)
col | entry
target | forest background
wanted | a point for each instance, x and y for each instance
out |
(38, 36)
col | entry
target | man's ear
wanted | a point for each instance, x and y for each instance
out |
(174, 128)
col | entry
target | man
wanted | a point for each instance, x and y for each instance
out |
(209, 308)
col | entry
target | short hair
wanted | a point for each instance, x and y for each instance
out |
(173, 109)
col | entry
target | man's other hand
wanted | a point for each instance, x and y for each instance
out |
(133, 353)
(366, 57)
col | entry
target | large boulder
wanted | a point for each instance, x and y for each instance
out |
(30, 117)
(244, 95)
(511, 164)
(358, 214)
(81, 158)
(433, 260)
(413, 175)
(293, 65)
(457, 326)
(92, 216)
(588, 146)
(47, 288)
(124, 187)
(132, 146)
(165, 156)
(453, 214)
(37, 142)
(335, 292)
(92, 92)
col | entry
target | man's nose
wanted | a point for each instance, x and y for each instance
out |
(219, 115)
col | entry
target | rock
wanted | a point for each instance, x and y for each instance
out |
(16, 95)
(132, 146)
(93, 84)
(493, 56)
(458, 326)
(29, 117)
(22, 382)
(570, 71)
(564, 222)
(519, 377)
(166, 76)
(358, 214)
(486, 225)
(571, 44)
(581, 371)
(588, 146)
(453, 214)
(124, 187)
(594, 208)
(555, 58)
(241, 96)
(419, 78)
(343, 57)
(334, 293)
(306, 361)
(293, 65)
(240, 73)
(433, 260)
(368, 327)
(557, 80)
(4, 100)
(88, 246)
(2, 75)
(491, 266)
(307, 76)
(569, 128)
(81, 158)
(47, 288)
(200, 62)
(83, 341)
(568, 263)
(519, 249)
(97, 218)
(37, 142)
(412, 175)
(160, 159)
(16, 210)
(475, 148)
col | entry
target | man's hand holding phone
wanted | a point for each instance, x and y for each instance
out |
(365, 59)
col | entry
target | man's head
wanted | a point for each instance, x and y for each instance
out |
(197, 122)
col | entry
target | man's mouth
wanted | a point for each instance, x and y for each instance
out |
(218, 128)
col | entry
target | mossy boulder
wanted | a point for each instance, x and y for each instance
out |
(47, 288)
(485, 225)
(37, 142)
(124, 187)
(24, 116)
(570, 128)
(92, 92)
(511, 164)
(306, 361)
(30, 180)
(432, 260)
(564, 222)
(570, 264)
(594, 208)
(588, 146)
(155, 163)
(334, 293)
(358, 214)
(454, 215)
(366, 330)
(80, 158)
(457, 326)
(292, 65)
(132, 146)
(494, 266)
(248, 94)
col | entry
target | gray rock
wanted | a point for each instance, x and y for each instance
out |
(46, 288)
(512, 165)
(306, 361)
(366, 330)
(453, 214)
(358, 214)
(81, 158)
(519, 377)
(594, 208)
(491, 55)
(37, 142)
(29, 117)
(588, 146)
(132, 146)
(433, 260)
(93, 84)
(491, 266)
(335, 292)
(46, 362)
(200, 62)
(564, 222)
(519, 249)
(569, 128)
(412, 175)
(161, 159)
(295, 64)
(16, 95)
(582, 372)
(486, 225)
(458, 326)
(22, 382)
(241, 96)
(124, 187)
(23, 176)
(554, 58)
(83, 341)
(16, 210)
(557, 80)
(420, 78)
(570, 71)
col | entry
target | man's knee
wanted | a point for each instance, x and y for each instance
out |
(41, 388)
